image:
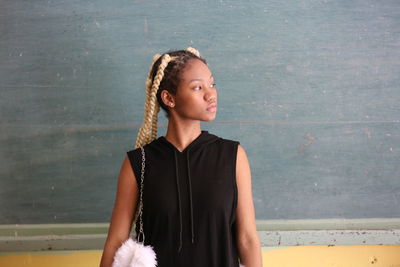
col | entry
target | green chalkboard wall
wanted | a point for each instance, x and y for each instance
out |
(310, 88)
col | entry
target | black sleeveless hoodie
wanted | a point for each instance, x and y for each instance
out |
(189, 201)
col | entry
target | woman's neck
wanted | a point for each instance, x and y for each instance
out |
(182, 134)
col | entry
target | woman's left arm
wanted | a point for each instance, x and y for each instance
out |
(247, 237)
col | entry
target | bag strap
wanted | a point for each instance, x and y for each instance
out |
(141, 232)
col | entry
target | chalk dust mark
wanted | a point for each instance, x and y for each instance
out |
(310, 139)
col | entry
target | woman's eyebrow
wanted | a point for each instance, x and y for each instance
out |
(192, 80)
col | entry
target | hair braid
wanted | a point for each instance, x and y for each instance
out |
(149, 81)
(147, 105)
(148, 131)
(141, 137)
(193, 51)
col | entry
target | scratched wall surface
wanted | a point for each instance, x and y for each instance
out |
(310, 88)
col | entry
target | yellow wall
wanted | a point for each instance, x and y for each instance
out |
(301, 256)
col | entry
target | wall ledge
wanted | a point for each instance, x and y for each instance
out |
(272, 233)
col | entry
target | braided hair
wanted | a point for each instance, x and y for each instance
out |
(164, 74)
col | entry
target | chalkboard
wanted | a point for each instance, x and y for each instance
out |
(310, 88)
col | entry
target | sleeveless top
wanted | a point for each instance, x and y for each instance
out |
(189, 201)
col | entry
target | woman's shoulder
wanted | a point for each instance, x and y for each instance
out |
(229, 141)
(133, 151)
(137, 150)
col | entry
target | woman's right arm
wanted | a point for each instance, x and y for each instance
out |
(123, 213)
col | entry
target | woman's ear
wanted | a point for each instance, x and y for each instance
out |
(167, 98)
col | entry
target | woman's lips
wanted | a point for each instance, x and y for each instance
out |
(212, 107)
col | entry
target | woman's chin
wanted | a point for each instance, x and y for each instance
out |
(210, 118)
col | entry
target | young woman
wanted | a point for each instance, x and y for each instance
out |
(197, 199)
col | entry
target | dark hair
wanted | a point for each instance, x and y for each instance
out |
(172, 73)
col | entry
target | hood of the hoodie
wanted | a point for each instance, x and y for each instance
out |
(200, 142)
(203, 139)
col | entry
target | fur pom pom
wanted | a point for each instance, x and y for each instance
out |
(134, 254)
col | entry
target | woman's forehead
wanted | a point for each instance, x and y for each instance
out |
(196, 70)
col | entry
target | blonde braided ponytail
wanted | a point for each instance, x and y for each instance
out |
(148, 130)
(154, 119)
(141, 138)
(193, 51)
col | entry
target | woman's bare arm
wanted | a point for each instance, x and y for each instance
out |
(248, 240)
(123, 213)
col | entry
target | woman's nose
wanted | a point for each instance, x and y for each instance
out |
(211, 97)
(211, 94)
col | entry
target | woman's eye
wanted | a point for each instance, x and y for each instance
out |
(199, 87)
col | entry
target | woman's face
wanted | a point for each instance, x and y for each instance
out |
(196, 97)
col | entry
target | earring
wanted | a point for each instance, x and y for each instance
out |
(171, 104)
